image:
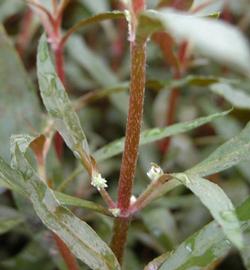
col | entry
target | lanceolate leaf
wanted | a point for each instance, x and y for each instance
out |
(57, 102)
(210, 37)
(229, 154)
(12, 181)
(84, 243)
(220, 206)
(205, 246)
(155, 134)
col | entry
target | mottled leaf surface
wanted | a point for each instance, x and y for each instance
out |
(218, 203)
(82, 240)
(205, 246)
(57, 102)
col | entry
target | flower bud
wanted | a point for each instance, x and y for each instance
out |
(155, 172)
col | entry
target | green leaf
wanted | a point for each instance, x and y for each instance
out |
(205, 246)
(9, 218)
(209, 37)
(227, 155)
(24, 142)
(82, 240)
(219, 205)
(68, 200)
(57, 102)
(155, 134)
(20, 110)
(237, 97)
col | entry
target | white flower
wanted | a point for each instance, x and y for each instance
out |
(155, 172)
(98, 181)
(115, 212)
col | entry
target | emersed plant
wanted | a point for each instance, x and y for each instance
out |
(181, 29)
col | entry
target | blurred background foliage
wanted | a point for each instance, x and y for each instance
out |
(97, 58)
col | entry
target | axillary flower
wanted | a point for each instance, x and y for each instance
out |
(98, 181)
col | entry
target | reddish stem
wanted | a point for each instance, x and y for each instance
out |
(132, 137)
(133, 129)
(66, 254)
(120, 231)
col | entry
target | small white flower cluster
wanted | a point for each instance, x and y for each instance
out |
(98, 181)
(154, 172)
(115, 212)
